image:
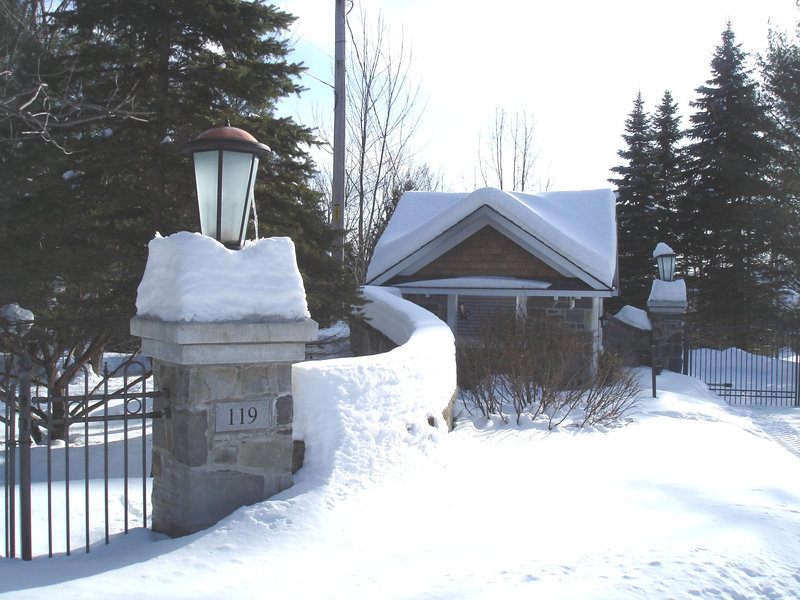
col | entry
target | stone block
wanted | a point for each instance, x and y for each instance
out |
(259, 380)
(273, 454)
(189, 435)
(209, 383)
(284, 410)
(208, 497)
(225, 455)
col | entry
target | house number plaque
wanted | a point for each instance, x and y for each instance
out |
(237, 416)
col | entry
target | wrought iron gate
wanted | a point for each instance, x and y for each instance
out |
(745, 365)
(49, 482)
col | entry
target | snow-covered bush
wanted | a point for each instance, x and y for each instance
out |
(544, 369)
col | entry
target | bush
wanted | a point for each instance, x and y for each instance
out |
(542, 368)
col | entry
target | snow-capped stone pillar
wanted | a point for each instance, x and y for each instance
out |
(223, 328)
(665, 308)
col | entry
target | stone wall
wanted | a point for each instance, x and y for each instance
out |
(630, 343)
(366, 340)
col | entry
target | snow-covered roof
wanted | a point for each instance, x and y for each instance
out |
(577, 226)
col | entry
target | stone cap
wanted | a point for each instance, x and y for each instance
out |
(224, 332)
(189, 343)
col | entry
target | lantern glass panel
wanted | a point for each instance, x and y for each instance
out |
(666, 267)
(206, 172)
(238, 176)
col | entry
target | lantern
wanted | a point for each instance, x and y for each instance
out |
(225, 164)
(665, 261)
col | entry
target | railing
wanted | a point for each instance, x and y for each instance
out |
(746, 365)
(98, 430)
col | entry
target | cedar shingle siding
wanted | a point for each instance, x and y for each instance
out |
(486, 252)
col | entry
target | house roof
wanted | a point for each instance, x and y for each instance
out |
(574, 230)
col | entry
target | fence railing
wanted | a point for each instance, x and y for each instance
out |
(746, 365)
(64, 456)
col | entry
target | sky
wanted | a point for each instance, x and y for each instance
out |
(575, 66)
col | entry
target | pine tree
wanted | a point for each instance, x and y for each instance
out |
(728, 213)
(636, 210)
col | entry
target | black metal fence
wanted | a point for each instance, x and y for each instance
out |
(77, 464)
(746, 365)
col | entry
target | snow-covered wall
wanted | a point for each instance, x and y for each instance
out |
(343, 405)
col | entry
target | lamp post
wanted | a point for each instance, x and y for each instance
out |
(665, 260)
(225, 164)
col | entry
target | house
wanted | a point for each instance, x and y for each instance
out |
(466, 255)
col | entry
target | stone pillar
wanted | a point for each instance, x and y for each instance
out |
(666, 307)
(226, 440)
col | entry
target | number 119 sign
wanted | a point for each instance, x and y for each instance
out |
(236, 416)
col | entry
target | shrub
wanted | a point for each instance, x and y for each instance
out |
(543, 368)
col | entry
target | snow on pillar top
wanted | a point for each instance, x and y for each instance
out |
(194, 278)
(667, 296)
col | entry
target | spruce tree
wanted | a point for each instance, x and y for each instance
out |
(781, 75)
(728, 213)
(636, 210)
(81, 220)
(667, 158)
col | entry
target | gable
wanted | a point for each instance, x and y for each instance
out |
(485, 253)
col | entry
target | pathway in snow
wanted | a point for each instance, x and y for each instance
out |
(781, 424)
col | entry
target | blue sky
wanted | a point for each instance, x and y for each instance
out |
(575, 66)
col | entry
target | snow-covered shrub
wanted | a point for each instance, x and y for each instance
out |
(541, 368)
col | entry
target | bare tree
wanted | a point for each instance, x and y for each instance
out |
(507, 157)
(384, 107)
(39, 101)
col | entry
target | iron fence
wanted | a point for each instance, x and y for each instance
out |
(61, 453)
(746, 364)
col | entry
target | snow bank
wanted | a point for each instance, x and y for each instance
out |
(191, 277)
(354, 413)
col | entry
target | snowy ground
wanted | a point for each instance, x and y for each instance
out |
(689, 499)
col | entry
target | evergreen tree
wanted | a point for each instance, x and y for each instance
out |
(667, 158)
(81, 220)
(637, 218)
(728, 213)
(781, 74)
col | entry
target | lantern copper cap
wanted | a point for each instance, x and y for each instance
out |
(226, 137)
(227, 132)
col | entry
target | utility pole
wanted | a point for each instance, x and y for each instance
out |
(339, 132)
